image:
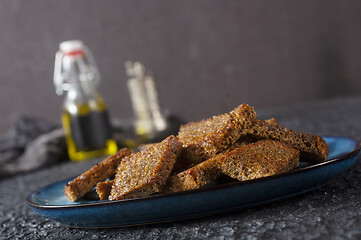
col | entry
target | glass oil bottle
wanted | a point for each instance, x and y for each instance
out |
(85, 117)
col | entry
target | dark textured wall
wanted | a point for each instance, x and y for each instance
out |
(208, 56)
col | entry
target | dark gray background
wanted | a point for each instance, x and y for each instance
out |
(208, 56)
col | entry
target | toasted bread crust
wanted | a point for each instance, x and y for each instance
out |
(313, 148)
(147, 171)
(103, 189)
(260, 159)
(105, 169)
(195, 177)
(206, 138)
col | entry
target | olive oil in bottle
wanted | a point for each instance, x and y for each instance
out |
(85, 118)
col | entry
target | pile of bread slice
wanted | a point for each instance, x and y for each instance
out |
(235, 144)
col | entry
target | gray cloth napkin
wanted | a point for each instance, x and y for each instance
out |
(31, 143)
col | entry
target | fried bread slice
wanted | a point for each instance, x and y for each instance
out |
(206, 138)
(103, 189)
(260, 159)
(242, 141)
(195, 177)
(79, 186)
(312, 147)
(147, 171)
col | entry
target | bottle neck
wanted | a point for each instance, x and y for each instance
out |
(75, 71)
(78, 89)
(81, 84)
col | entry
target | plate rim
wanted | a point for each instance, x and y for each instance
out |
(336, 159)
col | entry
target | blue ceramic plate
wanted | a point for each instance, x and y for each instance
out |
(51, 203)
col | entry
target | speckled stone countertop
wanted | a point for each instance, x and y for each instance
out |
(330, 212)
